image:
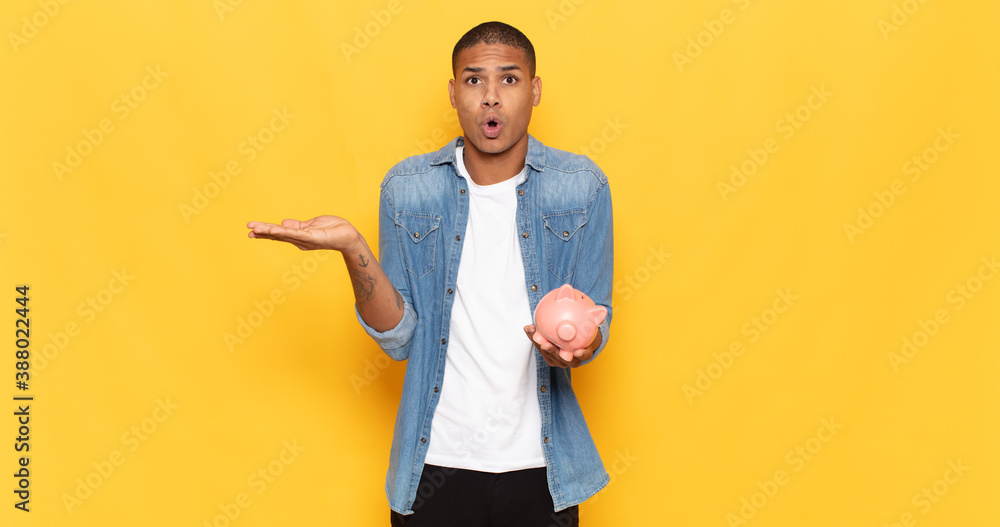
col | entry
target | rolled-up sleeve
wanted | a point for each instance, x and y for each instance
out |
(394, 342)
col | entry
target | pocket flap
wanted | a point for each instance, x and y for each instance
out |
(564, 224)
(418, 225)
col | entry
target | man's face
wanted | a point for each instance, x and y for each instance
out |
(494, 95)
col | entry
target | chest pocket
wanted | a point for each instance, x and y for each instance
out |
(418, 239)
(563, 235)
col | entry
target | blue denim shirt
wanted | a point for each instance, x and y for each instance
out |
(564, 216)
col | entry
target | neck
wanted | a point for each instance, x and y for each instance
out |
(488, 169)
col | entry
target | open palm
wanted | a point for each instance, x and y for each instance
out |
(321, 232)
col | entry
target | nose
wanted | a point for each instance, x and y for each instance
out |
(491, 98)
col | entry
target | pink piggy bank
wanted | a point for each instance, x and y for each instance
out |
(568, 318)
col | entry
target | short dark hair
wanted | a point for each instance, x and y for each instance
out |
(495, 33)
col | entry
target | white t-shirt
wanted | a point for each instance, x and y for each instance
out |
(487, 418)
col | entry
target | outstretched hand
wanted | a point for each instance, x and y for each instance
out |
(321, 232)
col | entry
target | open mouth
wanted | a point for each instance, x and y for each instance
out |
(492, 126)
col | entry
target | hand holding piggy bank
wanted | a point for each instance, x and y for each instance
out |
(568, 318)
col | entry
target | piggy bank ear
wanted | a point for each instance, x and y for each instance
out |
(564, 292)
(598, 313)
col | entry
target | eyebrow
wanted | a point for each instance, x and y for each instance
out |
(480, 69)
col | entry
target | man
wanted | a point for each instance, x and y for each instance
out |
(488, 431)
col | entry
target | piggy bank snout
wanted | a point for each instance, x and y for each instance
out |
(566, 331)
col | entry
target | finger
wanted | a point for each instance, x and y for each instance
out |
(290, 223)
(553, 360)
(541, 341)
(255, 224)
(280, 233)
(566, 355)
(264, 236)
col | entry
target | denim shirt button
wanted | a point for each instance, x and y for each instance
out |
(450, 291)
(546, 439)
(524, 234)
(520, 192)
(461, 191)
(458, 238)
(443, 341)
(543, 388)
(534, 287)
(435, 389)
(424, 439)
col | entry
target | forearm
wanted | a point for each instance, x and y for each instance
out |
(378, 302)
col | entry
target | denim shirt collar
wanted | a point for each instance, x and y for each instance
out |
(535, 157)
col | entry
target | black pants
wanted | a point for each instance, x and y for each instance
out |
(451, 497)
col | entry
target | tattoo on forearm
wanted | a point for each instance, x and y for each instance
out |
(363, 262)
(399, 299)
(364, 286)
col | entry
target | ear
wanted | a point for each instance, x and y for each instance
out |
(536, 91)
(565, 292)
(451, 92)
(598, 313)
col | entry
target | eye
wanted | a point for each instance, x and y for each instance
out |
(472, 80)
(509, 79)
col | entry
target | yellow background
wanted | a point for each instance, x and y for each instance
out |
(665, 117)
